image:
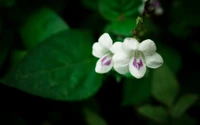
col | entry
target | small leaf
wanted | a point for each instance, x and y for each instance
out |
(61, 68)
(136, 91)
(164, 87)
(41, 25)
(183, 104)
(139, 20)
(121, 28)
(155, 113)
(92, 118)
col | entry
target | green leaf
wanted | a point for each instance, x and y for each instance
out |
(164, 86)
(173, 62)
(155, 113)
(17, 55)
(136, 91)
(183, 104)
(41, 25)
(114, 10)
(92, 118)
(61, 68)
(122, 28)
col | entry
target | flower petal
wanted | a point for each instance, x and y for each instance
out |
(104, 64)
(121, 69)
(141, 8)
(98, 51)
(116, 47)
(159, 11)
(137, 67)
(148, 47)
(121, 58)
(154, 61)
(121, 61)
(105, 40)
(130, 44)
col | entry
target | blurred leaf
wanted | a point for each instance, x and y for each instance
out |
(136, 91)
(7, 3)
(165, 87)
(17, 55)
(93, 118)
(122, 28)
(114, 10)
(185, 120)
(155, 113)
(173, 62)
(61, 68)
(183, 104)
(41, 25)
(90, 4)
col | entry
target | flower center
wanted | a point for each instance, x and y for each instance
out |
(137, 63)
(105, 61)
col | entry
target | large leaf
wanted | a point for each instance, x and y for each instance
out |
(155, 113)
(136, 91)
(114, 10)
(122, 28)
(164, 86)
(41, 25)
(183, 104)
(59, 68)
(16, 56)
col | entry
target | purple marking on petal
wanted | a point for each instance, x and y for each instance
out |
(104, 58)
(137, 64)
(106, 61)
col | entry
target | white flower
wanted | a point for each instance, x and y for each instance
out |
(154, 4)
(105, 49)
(136, 56)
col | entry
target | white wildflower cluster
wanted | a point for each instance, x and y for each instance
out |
(127, 56)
